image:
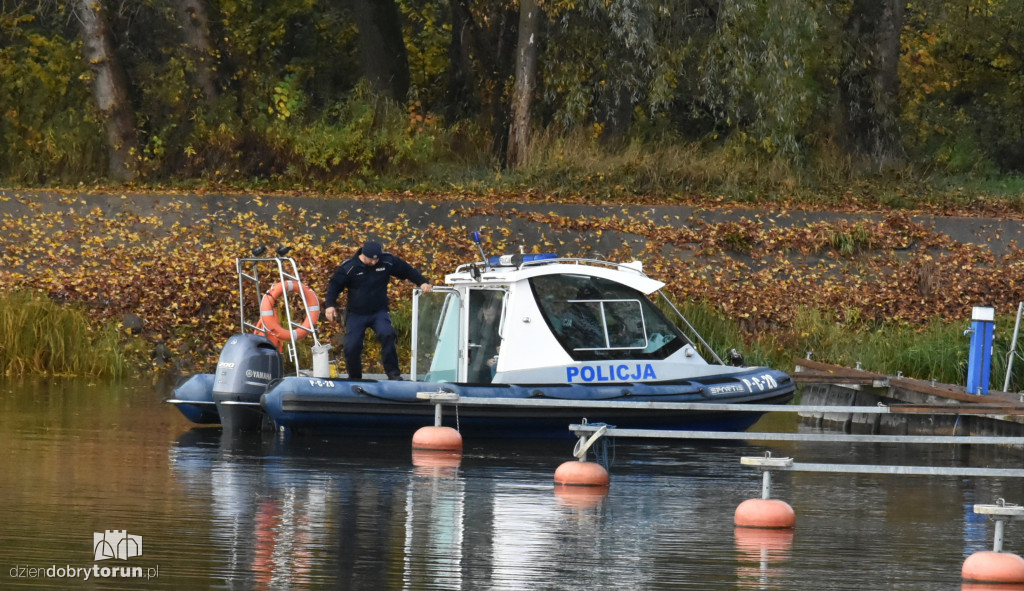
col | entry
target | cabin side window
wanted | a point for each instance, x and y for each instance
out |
(594, 318)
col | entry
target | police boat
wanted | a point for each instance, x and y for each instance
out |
(500, 334)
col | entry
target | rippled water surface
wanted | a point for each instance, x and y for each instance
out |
(267, 512)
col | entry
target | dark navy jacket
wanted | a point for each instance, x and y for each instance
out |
(368, 284)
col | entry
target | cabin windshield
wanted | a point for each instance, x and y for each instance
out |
(595, 318)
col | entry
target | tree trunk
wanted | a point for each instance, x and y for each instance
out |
(491, 44)
(109, 90)
(526, 81)
(460, 102)
(382, 50)
(869, 82)
(195, 31)
(501, 70)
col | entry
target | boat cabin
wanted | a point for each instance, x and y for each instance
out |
(541, 319)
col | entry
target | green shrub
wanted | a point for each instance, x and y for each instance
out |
(48, 132)
(361, 138)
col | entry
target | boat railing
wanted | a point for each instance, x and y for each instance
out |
(694, 333)
(251, 281)
(632, 267)
(595, 262)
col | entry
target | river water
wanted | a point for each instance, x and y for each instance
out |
(85, 463)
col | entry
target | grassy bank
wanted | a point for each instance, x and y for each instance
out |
(39, 336)
(938, 350)
(42, 337)
(582, 167)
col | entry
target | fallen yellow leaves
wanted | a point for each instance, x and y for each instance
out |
(174, 267)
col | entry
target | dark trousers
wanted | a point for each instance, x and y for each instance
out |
(355, 330)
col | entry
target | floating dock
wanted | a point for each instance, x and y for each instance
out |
(821, 384)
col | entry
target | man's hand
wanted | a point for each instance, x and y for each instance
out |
(427, 288)
(332, 313)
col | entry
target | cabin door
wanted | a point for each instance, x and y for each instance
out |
(456, 335)
(438, 336)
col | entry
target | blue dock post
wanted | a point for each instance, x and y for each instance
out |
(979, 362)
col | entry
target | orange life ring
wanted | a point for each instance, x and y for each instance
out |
(262, 331)
(268, 310)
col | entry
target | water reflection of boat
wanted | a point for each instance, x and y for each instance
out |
(293, 511)
(508, 330)
(270, 524)
(343, 513)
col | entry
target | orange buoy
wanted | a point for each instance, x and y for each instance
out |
(437, 438)
(581, 473)
(993, 567)
(764, 513)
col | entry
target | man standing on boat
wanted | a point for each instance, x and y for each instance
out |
(366, 276)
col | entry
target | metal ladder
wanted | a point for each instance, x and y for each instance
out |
(286, 270)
